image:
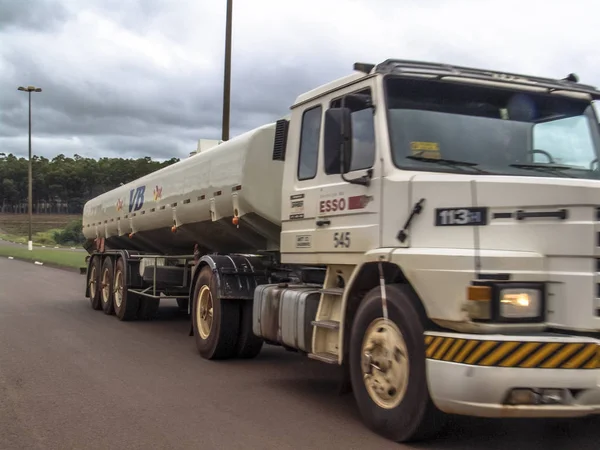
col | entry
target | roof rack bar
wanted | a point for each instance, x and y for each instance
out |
(448, 70)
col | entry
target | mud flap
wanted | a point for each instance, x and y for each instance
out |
(345, 383)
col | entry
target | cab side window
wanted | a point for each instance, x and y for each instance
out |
(363, 132)
(309, 143)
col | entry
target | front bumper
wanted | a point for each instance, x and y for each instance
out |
(474, 374)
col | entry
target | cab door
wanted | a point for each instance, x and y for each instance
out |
(348, 213)
(326, 218)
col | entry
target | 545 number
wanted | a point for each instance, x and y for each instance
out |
(341, 239)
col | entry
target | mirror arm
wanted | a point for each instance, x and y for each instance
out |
(365, 180)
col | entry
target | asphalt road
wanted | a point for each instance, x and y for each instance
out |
(74, 378)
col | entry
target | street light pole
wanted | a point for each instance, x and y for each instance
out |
(29, 90)
(227, 74)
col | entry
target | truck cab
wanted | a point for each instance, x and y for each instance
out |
(478, 192)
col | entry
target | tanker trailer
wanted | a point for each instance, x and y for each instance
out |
(193, 202)
(143, 236)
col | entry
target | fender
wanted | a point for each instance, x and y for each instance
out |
(237, 275)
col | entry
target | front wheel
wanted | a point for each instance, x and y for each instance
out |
(387, 367)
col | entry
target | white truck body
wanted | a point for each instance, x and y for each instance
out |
(235, 178)
(465, 227)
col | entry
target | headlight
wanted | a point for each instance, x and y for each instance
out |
(518, 303)
(506, 302)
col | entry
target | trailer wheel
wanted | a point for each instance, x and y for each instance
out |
(249, 345)
(94, 283)
(108, 286)
(388, 370)
(126, 304)
(215, 322)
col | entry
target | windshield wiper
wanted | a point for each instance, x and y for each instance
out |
(447, 162)
(552, 168)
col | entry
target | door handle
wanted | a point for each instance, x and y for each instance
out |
(323, 222)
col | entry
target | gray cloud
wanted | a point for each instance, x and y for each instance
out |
(35, 15)
(144, 77)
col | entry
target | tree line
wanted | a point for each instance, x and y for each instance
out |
(62, 185)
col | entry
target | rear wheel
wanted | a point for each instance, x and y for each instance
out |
(387, 368)
(215, 321)
(126, 304)
(94, 283)
(108, 286)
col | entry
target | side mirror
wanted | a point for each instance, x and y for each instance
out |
(338, 140)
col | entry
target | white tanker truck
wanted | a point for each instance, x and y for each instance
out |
(432, 229)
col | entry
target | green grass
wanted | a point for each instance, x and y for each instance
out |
(39, 238)
(64, 258)
(18, 224)
(15, 227)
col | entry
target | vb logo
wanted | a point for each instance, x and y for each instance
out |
(136, 198)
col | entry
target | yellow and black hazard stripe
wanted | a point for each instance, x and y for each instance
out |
(529, 355)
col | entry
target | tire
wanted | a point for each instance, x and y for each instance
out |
(218, 340)
(94, 290)
(126, 304)
(107, 280)
(249, 345)
(147, 308)
(414, 417)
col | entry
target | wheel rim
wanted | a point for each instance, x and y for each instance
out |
(384, 362)
(204, 312)
(118, 291)
(105, 285)
(92, 282)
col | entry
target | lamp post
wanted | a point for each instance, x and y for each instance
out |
(29, 90)
(227, 74)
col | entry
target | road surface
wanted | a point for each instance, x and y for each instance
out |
(74, 378)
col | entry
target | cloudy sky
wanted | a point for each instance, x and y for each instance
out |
(144, 77)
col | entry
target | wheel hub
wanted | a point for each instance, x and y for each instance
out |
(92, 282)
(204, 313)
(384, 361)
(118, 289)
(105, 286)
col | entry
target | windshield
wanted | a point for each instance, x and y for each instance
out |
(498, 131)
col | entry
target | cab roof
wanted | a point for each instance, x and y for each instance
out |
(440, 71)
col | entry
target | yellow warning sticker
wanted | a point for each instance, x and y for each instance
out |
(425, 149)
